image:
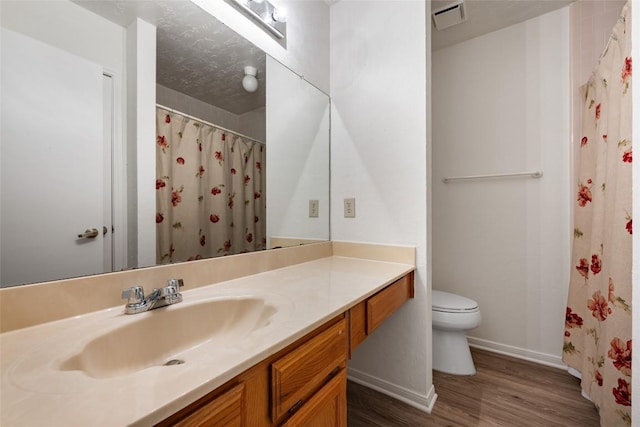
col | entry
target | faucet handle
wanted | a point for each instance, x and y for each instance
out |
(134, 294)
(173, 287)
(171, 292)
(176, 283)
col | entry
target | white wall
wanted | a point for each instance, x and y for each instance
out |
(591, 25)
(68, 26)
(297, 156)
(379, 148)
(141, 147)
(502, 105)
(254, 124)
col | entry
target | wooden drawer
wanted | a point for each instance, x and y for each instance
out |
(384, 303)
(224, 411)
(327, 408)
(299, 374)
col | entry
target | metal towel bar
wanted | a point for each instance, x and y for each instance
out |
(531, 174)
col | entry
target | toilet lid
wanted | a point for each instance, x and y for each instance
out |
(445, 301)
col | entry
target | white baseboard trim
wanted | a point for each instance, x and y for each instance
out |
(419, 401)
(517, 352)
(575, 372)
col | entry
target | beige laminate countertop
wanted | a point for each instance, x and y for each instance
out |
(36, 392)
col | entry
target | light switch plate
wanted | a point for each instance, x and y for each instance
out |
(314, 208)
(350, 208)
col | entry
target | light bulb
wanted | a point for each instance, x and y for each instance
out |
(279, 15)
(250, 83)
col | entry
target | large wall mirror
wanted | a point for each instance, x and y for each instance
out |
(68, 169)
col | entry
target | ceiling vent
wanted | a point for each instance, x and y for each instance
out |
(450, 15)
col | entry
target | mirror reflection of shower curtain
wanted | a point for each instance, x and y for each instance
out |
(597, 338)
(210, 190)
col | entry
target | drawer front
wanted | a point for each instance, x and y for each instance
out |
(299, 374)
(327, 408)
(384, 303)
(224, 411)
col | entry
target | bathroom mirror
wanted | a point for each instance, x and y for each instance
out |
(296, 128)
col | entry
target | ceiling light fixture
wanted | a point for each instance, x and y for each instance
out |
(249, 81)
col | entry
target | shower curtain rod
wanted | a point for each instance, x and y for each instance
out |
(531, 174)
(173, 110)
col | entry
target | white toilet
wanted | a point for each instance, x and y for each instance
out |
(453, 315)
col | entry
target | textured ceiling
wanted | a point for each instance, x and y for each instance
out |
(485, 16)
(196, 54)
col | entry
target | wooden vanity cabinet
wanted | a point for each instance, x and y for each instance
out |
(299, 374)
(270, 392)
(303, 385)
(217, 409)
(328, 407)
(226, 410)
(367, 315)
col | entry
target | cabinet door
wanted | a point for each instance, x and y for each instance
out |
(226, 410)
(327, 408)
(296, 376)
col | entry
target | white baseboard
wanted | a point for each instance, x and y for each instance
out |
(517, 352)
(575, 372)
(419, 401)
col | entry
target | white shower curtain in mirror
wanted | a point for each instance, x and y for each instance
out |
(210, 190)
(597, 338)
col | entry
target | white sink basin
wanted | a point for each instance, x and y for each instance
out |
(158, 337)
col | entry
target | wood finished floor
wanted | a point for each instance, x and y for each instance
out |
(505, 392)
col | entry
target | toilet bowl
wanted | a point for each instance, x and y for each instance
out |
(452, 316)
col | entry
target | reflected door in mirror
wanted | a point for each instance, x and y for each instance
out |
(52, 163)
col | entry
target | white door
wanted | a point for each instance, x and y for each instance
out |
(51, 162)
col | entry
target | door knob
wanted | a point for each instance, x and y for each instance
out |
(90, 233)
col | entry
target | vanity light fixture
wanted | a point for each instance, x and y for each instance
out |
(266, 15)
(279, 15)
(249, 81)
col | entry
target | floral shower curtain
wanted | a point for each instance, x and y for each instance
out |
(598, 318)
(210, 190)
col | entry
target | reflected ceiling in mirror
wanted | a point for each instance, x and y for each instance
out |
(197, 55)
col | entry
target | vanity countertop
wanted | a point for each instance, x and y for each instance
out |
(36, 391)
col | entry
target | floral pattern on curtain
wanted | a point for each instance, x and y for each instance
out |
(210, 190)
(597, 338)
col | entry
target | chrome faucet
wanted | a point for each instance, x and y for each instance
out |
(137, 302)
